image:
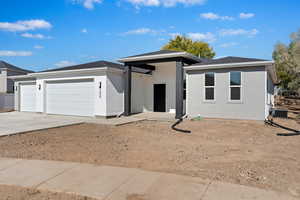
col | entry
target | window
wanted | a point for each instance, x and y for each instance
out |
(209, 93)
(235, 86)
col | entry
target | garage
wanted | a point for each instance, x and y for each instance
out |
(28, 97)
(70, 97)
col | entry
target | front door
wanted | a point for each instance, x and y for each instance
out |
(159, 97)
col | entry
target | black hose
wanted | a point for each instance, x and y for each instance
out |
(272, 123)
(177, 129)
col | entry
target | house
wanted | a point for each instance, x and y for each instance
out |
(7, 85)
(161, 81)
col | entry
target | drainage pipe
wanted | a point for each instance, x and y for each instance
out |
(272, 123)
(177, 129)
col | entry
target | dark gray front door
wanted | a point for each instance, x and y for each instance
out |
(159, 97)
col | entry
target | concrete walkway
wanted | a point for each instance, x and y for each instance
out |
(116, 183)
(22, 122)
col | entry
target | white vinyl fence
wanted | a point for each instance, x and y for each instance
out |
(6, 101)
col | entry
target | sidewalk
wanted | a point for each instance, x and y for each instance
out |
(116, 183)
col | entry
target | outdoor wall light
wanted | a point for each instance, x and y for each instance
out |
(39, 86)
(16, 88)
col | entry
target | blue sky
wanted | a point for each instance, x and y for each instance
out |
(38, 35)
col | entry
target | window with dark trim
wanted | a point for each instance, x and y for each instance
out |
(209, 91)
(235, 86)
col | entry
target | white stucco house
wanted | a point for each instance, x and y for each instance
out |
(161, 81)
(7, 85)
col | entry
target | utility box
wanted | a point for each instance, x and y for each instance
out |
(282, 113)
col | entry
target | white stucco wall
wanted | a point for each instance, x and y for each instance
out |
(252, 105)
(3, 80)
(142, 94)
(115, 94)
(138, 92)
(111, 90)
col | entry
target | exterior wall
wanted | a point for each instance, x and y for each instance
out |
(6, 101)
(10, 83)
(138, 92)
(253, 93)
(113, 84)
(115, 94)
(165, 73)
(269, 94)
(7, 85)
(3, 78)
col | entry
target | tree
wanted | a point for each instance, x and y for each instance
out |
(197, 48)
(287, 63)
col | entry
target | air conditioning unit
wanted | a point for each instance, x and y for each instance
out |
(277, 112)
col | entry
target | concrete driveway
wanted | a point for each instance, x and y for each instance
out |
(19, 122)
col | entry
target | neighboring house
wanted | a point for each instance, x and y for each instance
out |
(161, 81)
(7, 85)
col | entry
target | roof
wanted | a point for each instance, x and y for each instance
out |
(167, 55)
(228, 59)
(234, 62)
(97, 64)
(12, 67)
(160, 52)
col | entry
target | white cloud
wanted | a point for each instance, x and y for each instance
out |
(165, 3)
(35, 36)
(88, 4)
(143, 31)
(229, 44)
(25, 25)
(233, 32)
(173, 35)
(38, 47)
(64, 63)
(84, 30)
(214, 16)
(209, 37)
(15, 53)
(246, 15)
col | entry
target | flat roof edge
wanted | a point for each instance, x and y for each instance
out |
(228, 65)
(160, 56)
(33, 75)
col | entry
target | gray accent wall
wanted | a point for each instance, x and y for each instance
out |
(253, 92)
(6, 84)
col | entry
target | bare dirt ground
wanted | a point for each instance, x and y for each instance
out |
(237, 151)
(19, 193)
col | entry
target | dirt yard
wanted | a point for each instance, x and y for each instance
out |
(19, 193)
(243, 152)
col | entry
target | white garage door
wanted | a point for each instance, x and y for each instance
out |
(75, 97)
(28, 97)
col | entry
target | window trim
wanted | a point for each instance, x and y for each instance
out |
(236, 86)
(204, 88)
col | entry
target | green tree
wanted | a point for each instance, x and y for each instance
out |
(197, 48)
(287, 63)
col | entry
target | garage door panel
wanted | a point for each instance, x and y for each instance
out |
(28, 97)
(70, 98)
